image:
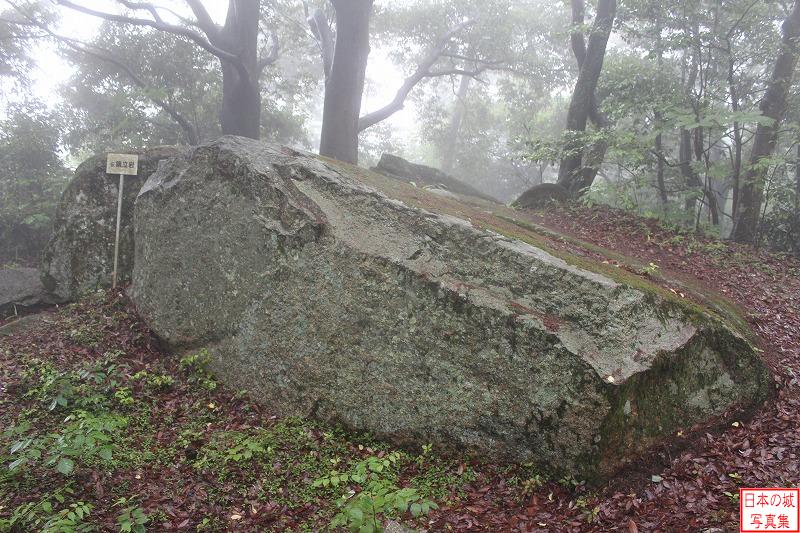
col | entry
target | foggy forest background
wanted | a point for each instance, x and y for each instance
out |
(649, 106)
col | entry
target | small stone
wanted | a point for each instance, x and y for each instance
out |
(392, 526)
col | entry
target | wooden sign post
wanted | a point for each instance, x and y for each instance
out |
(124, 165)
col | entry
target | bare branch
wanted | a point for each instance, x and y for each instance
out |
(272, 56)
(423, 71)
(460, 72)
(135, 6)
(170, 28)
(204, 20)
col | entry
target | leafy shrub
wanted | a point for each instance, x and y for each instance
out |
(196, 366)
(42, 515)
(84, 438)
(379, 496)
(132, 518)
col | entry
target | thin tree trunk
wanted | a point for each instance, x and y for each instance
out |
(570, 174)
(662, 188)
(693, 180)
(451, 140)
(345, 85)
(737, 138)
(659, 122)
(797, 180)
(241, 95)
(773, 105)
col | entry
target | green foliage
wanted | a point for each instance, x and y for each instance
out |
(51, 514)
(651, 269)
(781, 223)
(230, 446)
(160, 382)
(132, 518)
(379, 497)
(124, 397)
(196, 367)
(32, 177)
(84, 437)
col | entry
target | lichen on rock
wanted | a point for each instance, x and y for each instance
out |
(324, 296)
(80, 254)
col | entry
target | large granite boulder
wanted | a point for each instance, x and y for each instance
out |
(424, 176)
(80, 254)
(20, 288)
(325, 297)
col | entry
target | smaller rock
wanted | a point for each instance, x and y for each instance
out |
(80, 255)
(20, 287)
(393, 526)
(540, 195)
(429, 177)
(24, 324)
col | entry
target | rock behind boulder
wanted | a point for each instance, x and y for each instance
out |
(80, 254)
(424, 176)
(324, 297)
(20, 288)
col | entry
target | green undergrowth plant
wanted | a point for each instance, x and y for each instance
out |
(53, 513)
(196, 368)
(84, 437)
(132, 518)
(378, 497)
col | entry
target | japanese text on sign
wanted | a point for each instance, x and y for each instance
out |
(127, 164)
(769, 510)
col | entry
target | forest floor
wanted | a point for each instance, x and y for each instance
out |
(100, 428)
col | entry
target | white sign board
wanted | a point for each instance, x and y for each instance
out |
(127, 164)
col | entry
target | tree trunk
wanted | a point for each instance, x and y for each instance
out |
(659, 140)
(773, 105)
(571, 176)
(345, 85)
(241, 94)
(737, 136)
(662, 187)
(693, 180)
(797, 180)
(451, 141)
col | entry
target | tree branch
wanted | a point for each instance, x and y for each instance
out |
(104, 55)
(576, 37)
(204, 21)
(136, 6)
(272, 56)
(423, 71)
(170, 28)
(324, 37)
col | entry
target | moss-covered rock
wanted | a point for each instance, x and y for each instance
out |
(323, 290)
(80, 254)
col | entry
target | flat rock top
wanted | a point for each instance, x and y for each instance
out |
(518, 225)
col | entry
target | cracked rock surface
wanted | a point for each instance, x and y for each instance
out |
(323, 296)
(80, 254)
